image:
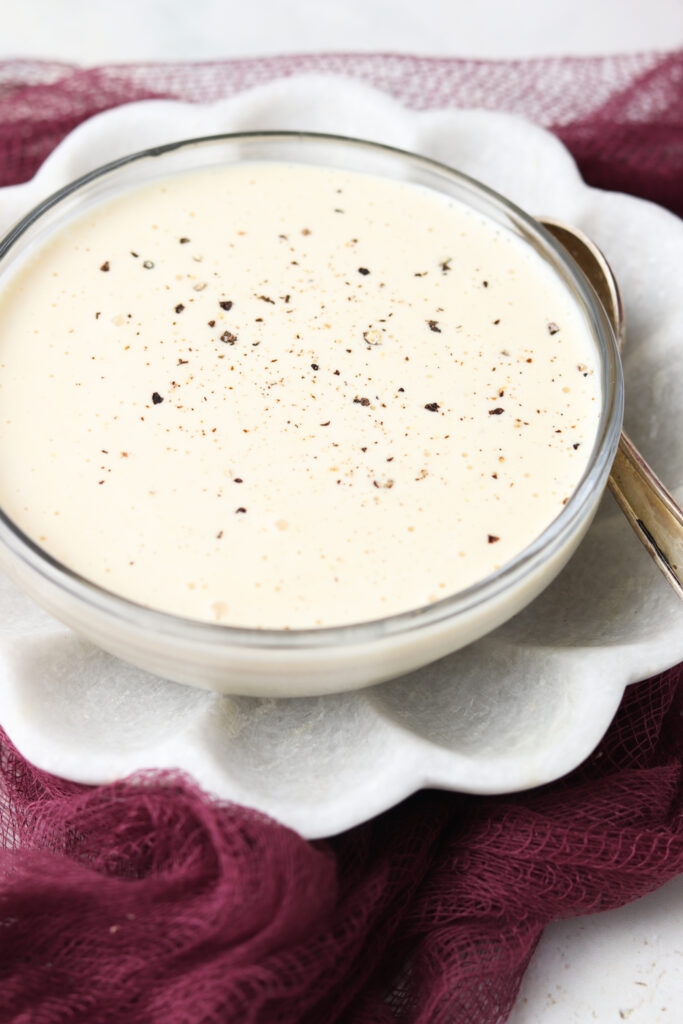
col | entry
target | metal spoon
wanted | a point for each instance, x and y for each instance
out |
(655, 516)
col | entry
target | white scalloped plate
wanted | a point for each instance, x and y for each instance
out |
(520, 707)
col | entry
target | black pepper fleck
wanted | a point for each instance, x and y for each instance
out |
(179, 308)
(497, 411)
(314, 366)
(228, 338)
(434, 326)
(493, 538)
(240, 509)
(156, 398)
(363, 270)
(148, 264)
(105, 266)
(361, 401)
(432, 406)
(226, 304)
(553, 328)
(184, 241)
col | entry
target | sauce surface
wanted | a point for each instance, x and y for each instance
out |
(285, 396)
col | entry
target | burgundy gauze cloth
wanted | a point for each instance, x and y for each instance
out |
(148, 901)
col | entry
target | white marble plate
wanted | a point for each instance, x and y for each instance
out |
(517, 709)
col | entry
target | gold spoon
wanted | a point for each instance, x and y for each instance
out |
(655, 516)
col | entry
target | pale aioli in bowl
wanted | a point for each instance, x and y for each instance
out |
(283, 396)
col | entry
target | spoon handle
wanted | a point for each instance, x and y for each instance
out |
(655, 516)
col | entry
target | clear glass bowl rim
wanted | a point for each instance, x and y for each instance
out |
(143, 618)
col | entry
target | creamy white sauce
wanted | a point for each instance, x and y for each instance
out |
(284, 396)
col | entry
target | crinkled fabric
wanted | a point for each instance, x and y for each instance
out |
(620, 116)
(147, 901)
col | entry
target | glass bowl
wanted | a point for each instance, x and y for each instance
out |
(298, 662)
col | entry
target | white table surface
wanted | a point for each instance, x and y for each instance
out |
(625, 964)
(97, 31)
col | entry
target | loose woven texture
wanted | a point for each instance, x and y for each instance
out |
(145, 901)
(620, 116)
